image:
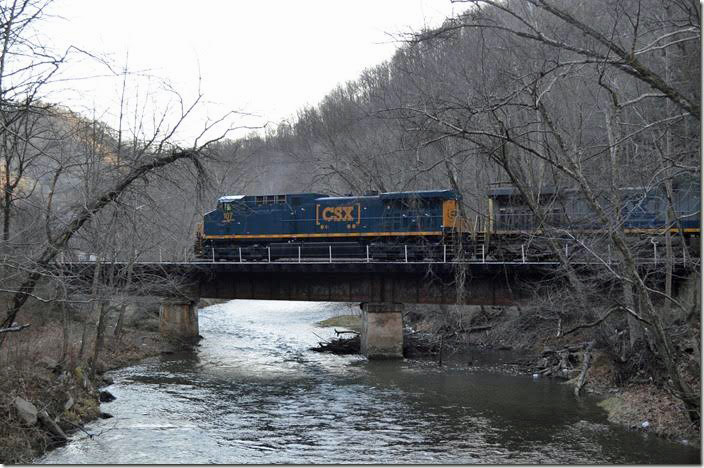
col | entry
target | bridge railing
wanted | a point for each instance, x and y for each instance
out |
(419, 253)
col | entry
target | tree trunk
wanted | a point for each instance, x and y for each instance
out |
(99, 335)
(6, 211)
(635, 329)
(66, 332)
(117, 333)
(96, 305)
(102, 317)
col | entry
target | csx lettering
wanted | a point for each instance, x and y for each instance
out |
(338, 213)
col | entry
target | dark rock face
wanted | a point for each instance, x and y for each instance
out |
(106, 397)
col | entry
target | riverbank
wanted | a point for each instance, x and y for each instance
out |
(49, 387)
(630, 398)
(66, 391)
(635, 403)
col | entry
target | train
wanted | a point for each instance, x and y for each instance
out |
(422, 225)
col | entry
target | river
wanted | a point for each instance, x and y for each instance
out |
(253, 393)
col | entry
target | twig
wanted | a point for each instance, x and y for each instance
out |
(594, 323)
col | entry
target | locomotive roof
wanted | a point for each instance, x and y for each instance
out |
(451, 194)
(421, 194)
(404, 195)
(230, 198)
(511, 190)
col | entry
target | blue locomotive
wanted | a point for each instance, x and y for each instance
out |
(643, 211)
(512, 225)
(314, 224)
(426, 224)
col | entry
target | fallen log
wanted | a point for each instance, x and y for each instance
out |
(14, 328)
(50, 425)
(585, 367)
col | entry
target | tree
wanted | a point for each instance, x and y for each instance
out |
(26, 67)
(577, 107)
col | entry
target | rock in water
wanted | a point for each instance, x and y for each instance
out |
(106, 397)
(26, 411)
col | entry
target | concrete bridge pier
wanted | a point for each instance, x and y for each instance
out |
(178, 318)
(382, 330)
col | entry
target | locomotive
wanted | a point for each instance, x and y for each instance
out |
(513, 227)
(317, 225)
(424, 225)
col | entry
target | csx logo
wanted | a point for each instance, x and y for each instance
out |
(348, 214)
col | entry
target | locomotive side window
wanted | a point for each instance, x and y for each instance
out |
(270, 199)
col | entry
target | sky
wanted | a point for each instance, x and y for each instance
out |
(265, 58)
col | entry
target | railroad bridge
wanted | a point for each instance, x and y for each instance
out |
(382, 288)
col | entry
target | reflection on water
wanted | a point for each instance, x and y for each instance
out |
(253, 393)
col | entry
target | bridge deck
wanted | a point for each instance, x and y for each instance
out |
(486, 283)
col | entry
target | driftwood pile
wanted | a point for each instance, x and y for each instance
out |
(340, 345)
(420, 344)
(567, 363)
(414, 344)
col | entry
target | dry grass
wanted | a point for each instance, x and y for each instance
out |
(351, 322)
(665, 415)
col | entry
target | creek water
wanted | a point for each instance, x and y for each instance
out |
(253, 393)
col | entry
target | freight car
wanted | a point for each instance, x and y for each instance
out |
(513, 227)
(375, 226)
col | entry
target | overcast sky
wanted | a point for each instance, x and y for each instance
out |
(267, 58)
